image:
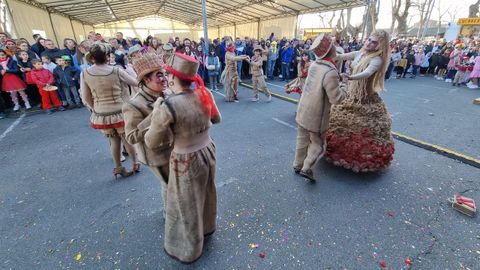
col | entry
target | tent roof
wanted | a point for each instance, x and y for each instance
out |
(219, 12)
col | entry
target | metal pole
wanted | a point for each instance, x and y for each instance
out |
(53, 28)
(205, 26)
(73, 30)
(428, 20)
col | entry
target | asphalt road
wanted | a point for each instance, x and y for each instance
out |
(58, 199)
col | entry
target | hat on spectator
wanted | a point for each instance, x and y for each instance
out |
(134, 49)
(149, 62)
(167, 47)
(322, 45)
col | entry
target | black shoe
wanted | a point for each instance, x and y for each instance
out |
(296, 170)
(308, 174)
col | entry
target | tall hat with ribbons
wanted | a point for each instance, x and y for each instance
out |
(185, 68)
(148, 63)
(322, 45)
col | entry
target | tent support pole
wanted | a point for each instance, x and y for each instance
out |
(258, 29)
(53, 28)
(234, 31)
(13, 21)
(73, 31)
(205, 27)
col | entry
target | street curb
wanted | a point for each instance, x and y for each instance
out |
(406, 139)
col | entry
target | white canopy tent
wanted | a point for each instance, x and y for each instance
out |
(58, 19)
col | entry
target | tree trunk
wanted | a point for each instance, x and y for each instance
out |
(402, 17)
(473, 10)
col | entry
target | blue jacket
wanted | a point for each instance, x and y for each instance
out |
(287, 55)
(64, 77)
(213, 60)
(12, 67)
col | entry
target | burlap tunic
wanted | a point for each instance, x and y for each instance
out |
(137, 115)
(230, 76)
(258, 80)
(321, 90)
(102, 92)
(191, 197)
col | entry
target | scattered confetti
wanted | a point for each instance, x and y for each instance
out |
(261, 255)
(252, 246)
(71, 241)
(122, 231)
(376, 255)
(408, 262)
(93, 221)
(78, 256)
(100, 254)
(65, 257)
(390, 213)
(51, 250)
(383, 264)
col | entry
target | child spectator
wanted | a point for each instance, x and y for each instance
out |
(460, 74)
(43, 78)
(401, 65)
(442, 64)
(65, 77)
(213, 68)
(25, 65)
(475, 74)
(11, 81)
(47, 63)
(433, 63)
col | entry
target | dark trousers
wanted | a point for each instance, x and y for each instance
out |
(285, 71)
(2, 105)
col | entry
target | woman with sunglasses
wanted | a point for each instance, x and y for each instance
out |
(137, 111)
(359, 137)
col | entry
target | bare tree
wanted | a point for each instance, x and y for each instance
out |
(453, 15)
(373, 16)
(424, 7)
(440, 16)
(400, 9)
(473, 10)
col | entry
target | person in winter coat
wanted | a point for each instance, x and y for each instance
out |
(65, 77)
(286, 56)
(272, 56)
(433, 63)
(50, 50)
(43, 78)
(321, 90)
(213, 68)
(12, 82)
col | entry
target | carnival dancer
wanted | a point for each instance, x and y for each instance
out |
(258, 79)
(229, 77)
(296, 85)
(101, 91)
(191, 197)
(359, 137)
(137, 114)
(322, 89)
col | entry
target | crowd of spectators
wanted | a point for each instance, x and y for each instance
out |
(455, 62)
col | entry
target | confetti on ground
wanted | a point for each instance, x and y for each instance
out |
(408, 262)
(71, 241)
(93, 221)
(252, 246)
(383, 264)
(376, 255)
(390, 213)
(65, 257)
(261, 255)
(78, 256)
(122, 231)
(100, 254)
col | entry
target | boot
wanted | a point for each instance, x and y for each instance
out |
(27, 105)
(121, 171)
(16, 108)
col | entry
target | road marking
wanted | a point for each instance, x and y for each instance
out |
(218, 93)
(412, 141)
(11, 127)
(284, 123)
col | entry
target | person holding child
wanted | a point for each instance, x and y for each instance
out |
(44, 80)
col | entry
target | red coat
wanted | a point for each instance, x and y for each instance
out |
(42, 77)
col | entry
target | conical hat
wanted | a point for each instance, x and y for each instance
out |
(183, 64)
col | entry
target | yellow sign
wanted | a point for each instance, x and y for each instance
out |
(469, 21)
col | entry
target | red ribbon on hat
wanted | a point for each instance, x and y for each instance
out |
(465, 201)
(205, 97)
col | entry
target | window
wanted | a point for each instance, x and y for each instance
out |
(40, 32)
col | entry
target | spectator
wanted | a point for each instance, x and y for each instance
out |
(47, 63)
(10, 48)
(11, 81)
(43, 78)
(37, 47)
(3, 38)
(65, 78)
(213, 67)
(51, 50)
(24, 46)
(286, 56)
(121, 41)
(272, 56)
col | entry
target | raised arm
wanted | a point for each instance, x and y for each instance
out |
(126, 78)
(347, 56)
(373, 67)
